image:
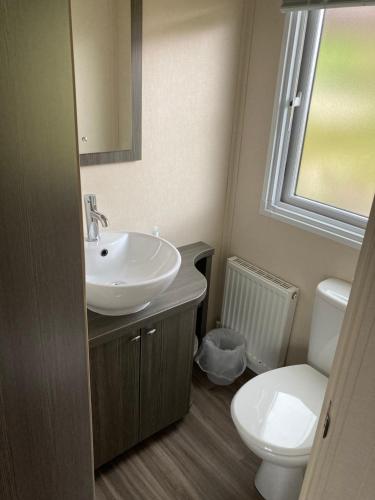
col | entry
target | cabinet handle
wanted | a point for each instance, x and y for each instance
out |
(135, 339)
(151, 332)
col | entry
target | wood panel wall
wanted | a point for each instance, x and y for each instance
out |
(45, 434)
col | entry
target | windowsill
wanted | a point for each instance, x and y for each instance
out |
(315, 223)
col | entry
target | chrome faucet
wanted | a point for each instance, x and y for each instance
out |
(93, 217)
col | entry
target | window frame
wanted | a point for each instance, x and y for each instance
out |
(301, 42)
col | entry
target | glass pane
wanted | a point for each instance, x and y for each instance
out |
(338, 161)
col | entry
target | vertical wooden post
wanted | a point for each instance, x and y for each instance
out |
(45, 424)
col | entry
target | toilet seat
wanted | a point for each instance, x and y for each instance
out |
(276, 413)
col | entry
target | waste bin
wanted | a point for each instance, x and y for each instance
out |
(222, 355)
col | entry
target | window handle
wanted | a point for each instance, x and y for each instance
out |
(293, 104)
(296, 101)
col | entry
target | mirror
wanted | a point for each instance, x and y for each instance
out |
(107, 37)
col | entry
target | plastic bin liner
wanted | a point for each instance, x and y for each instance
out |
(222, 355)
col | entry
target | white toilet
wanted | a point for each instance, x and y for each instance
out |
(276, 413)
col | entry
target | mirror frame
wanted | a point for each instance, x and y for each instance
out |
(135, 153)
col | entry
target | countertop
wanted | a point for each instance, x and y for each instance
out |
(188, 289)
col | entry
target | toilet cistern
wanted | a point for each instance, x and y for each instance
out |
(93, 217)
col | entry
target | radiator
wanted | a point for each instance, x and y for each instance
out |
(261, 307)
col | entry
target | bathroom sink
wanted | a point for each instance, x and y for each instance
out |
(125, 271)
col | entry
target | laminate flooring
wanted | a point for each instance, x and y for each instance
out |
(199, 458)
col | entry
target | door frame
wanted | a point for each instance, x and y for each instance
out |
(342, 465)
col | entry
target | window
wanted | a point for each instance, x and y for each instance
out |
(321, 172)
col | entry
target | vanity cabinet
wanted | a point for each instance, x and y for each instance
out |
(141, 364)
(140, 383)
(114, 373)
(166, 368)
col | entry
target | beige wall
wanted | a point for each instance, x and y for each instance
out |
(294, 254)
(190, 68)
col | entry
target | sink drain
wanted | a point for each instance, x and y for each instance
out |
(117, 283)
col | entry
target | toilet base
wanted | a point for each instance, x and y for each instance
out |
(275, 482)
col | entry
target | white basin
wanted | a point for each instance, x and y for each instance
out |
(125, 271)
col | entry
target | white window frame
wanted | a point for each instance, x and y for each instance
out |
(295, 82)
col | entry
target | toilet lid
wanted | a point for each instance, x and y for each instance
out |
(279, 410)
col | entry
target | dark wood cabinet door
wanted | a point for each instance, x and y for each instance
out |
(114, 370)
(166, 370)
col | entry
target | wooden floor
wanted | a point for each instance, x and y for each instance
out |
(200, 458)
